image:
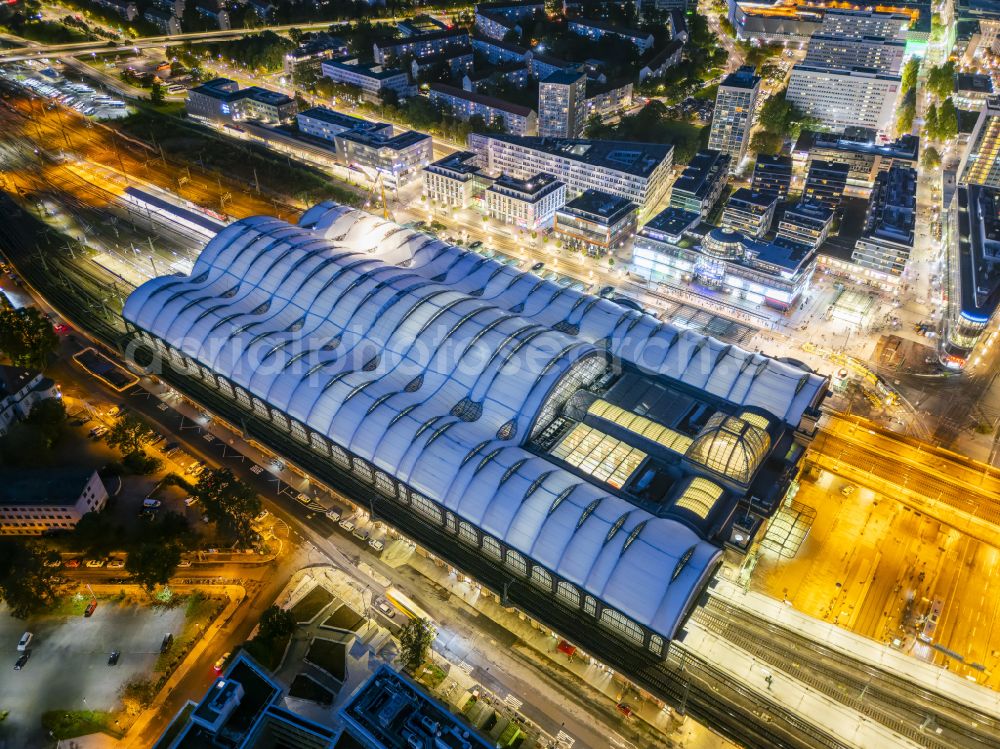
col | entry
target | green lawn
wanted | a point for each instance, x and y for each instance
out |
(267, 653)
(306, 688)
(69, 724)
(311, 604)
(199, 612)
(330, 656)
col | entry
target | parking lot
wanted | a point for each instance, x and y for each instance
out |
(68, 668)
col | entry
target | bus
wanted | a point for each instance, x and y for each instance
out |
(409, 609)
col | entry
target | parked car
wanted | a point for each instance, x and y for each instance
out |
(386, 609)
(376, 543)
(71, 564)
(335, 513)
(116, 564)
(151, 504)
(361, 534)
(113, 658)
(91, 608)
(95, 563)
(260, 517)
(54, 563)
(303, 498)
(19, 663)
(188, 501)
(184, 563)
(348, 523)
(475, 245)
(848, 489)
(24, 642)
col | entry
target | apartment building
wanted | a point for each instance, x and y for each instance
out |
(371, 78)
(663, 60)
(807, 224)
(562, 108)
(529, 203)
(606, 99)
(825, 183)
(635, 171)
(20, 390)
(392, 51)
(596, 30)
(733, 115)
(847, 52)
(457, 63)
(38, 501)
(498, 52)
(772, 174)
(515, 118)
(312, 50)
(864, 153)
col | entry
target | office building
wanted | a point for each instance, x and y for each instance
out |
(859, 148)
(825, 183)
(20, 390)
(222, 100)
(972, 241)
(514, 118)
(393, 51)
(244, 709)
(884, 247)
(841, 98)
(526, 203)
(732, 119)
(763, 273)
(399, 159)
(847, 52)
(981, 160)
(749, 213)
(483, 451)
(701, 183)
(36, 501)
(772, 175)
(635, 171)
(596, 30)
(320, 122)
(562, 109)
(595, 222)
(456, 181)
(793, 23)
(371, 78)
(807, 224)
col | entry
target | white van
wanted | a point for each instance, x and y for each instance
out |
(151, 504)
(24, 642)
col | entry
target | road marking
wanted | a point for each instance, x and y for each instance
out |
(512, 702)
(208, 437)
(465, 668)
(256, 469)
(163, 406)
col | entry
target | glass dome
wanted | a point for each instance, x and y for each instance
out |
(730, 447)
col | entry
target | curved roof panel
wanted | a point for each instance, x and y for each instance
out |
(433, 363)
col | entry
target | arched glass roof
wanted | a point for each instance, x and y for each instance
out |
(730, 447)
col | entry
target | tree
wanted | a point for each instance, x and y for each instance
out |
(95, 534)
(909, 75)
(907, 113)
(137, 694)
(228, 502)
(941, 80)
(415, 639)
(947, 120)
(782, 117)
(49, 416)
(766, 143)
(931, 122)
(157, 93)
(26, 584)
(27, 337)
(152, 564)
(931, 158)
(275, 623)
(129, 433)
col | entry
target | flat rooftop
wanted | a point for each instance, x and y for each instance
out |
(367, 69)
(600, 205)
(46, 486)
(638, 159)
(477, 98)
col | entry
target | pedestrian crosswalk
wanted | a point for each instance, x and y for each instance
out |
(512, 702)
(256, 469)
(564, 740)
(465, 668)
